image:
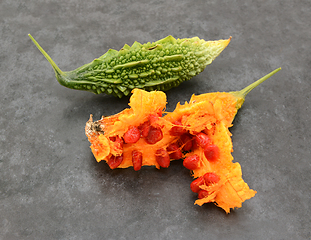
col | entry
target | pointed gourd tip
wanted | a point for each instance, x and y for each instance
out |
(216, 47)
(227, 41)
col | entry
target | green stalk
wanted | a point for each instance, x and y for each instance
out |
(240, 95)
(60, 75)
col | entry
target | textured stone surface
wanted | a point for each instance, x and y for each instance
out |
(50, 184)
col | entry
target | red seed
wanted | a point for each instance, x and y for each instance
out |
(195, 145)
(177, 130)
(195, 185)
(211, 178)
(186, 141)
(154, 135)
(202, 140)
(212, 153)
(153, 118)
(174, 151)
(144, 129)
(137, 160)
(115, 161)
(191, 162)
(132, 135)
(118, 141)
(162, 158)
(202, 194)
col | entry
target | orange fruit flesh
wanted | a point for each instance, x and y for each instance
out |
(210, 113)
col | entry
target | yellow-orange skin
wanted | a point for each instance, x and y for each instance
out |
(211, 113)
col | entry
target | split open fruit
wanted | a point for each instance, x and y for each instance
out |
(197, 132)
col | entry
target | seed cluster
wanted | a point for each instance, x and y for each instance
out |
(183, 145)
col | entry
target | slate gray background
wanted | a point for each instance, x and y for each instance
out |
(51, 187)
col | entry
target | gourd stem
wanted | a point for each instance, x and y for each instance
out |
(55, 67)
(240, 95)
(250, 87)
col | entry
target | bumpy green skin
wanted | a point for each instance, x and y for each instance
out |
(161, 65)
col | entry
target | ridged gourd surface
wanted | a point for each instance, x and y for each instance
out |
(151, 66)
(161, 65)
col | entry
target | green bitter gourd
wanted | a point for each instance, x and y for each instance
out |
(161, 65)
